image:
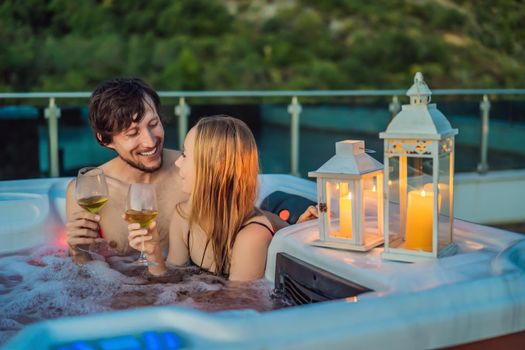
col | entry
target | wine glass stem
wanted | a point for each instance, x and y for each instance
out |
(142, 249)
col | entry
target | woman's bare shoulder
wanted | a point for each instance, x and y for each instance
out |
(260, 220)
(249, 252)
(257, 230)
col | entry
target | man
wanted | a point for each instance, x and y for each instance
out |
(124, 116)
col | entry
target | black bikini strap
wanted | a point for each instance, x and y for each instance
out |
(261, 224)
(204, 252)
(208, 241)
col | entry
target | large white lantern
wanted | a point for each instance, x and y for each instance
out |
(419, 180)
(350, 198)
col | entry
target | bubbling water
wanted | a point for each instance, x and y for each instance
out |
(44, 283)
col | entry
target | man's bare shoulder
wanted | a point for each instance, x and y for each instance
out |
(71, 185)
(112, 174)
(70, 196)
(171, 155)
(109, 166)
(169, 170)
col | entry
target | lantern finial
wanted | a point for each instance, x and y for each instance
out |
(419, 92)
(418, 78)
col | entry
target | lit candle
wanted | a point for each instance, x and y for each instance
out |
(345, 211)
(419, 220)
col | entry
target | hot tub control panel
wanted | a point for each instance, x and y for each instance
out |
(151, 340)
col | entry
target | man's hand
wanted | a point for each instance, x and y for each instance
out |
(82, 228)
(309, 214)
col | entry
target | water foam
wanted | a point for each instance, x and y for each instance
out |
(44, 283)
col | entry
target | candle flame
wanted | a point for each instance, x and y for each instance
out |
(423, 193)
(349, 195)
(374, 188)
(337, 186)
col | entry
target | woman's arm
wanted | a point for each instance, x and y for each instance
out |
(250, 249)
(178, 253)
(310, 213)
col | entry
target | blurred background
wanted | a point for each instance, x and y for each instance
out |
(240, 45)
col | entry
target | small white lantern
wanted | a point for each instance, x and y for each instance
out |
(350, 198)
(419, 180)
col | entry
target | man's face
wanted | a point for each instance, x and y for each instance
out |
(142, 143)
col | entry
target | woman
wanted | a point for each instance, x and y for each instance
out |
(218, 228)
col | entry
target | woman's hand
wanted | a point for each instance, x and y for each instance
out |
(309, 214)
(151, 245)
(150, 235)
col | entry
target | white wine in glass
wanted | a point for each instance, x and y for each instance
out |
(144, 217)
(141, 207)
(93, 204)
(91, 193)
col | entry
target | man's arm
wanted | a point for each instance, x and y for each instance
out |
(82, 226)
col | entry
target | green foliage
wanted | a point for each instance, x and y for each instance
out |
(303, 44)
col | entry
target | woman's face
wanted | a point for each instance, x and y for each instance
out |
(186, 163)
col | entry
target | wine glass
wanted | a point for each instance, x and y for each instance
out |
(141, 207)
(91, 193)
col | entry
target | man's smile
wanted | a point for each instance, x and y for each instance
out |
(149, 153)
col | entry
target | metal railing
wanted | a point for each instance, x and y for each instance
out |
(182, 111)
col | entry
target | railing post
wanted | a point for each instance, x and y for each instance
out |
(52, 113)
(484, 106)
(182, 110)
(394, 107)
(295, 110)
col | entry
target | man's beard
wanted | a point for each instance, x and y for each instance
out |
(141, 167)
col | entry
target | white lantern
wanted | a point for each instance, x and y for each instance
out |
(419, 180)
(350, 198)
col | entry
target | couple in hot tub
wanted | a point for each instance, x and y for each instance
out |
(206, 192)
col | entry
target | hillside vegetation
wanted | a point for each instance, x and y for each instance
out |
(63, 45)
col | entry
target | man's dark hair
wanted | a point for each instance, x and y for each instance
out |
(117, 103)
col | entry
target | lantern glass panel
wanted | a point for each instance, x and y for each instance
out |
(412, 202)
(394, 228)
(445, 200)
(371, 204)
(339, 197)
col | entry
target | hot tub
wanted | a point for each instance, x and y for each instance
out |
(474, 295)
(31, 212)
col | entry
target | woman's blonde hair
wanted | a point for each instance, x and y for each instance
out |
(225, 189)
